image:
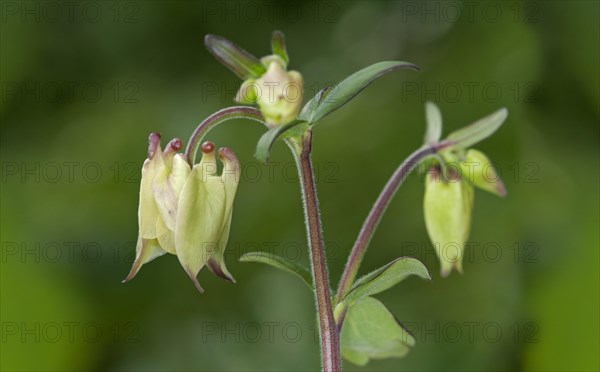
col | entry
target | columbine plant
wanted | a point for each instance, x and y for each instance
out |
(185, 208)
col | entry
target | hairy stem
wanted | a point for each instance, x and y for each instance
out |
(329, 337)
(370, 225)
(218, 117)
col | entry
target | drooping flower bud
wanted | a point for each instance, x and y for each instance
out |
(447, 209)
(186, 211)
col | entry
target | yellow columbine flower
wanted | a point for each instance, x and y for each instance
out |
(185, 211)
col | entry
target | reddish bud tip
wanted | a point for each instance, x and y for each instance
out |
(174, 146)
(501, 189)
(225, 153)
(208, 147)
(153, 144)
(230, 161)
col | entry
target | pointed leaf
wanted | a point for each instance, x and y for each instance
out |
(478, 131)
(370, 331)
(278, 46)
(280, 263)
(352, 85)
(242, 63)
(311, 105)
(434, 123)
(265, 143)
(385, 278)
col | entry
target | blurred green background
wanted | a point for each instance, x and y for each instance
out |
(84, 83)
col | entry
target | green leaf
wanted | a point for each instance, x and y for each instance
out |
(347, 89)
(434, 123)
(265, 143)
(312, 105)
(280, 263)
(242, 63)
(479, 130)
(370, 331)
(385, 278)
(278, 46)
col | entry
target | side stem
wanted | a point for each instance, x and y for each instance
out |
(229, 113)
(370, 225)
(330, 346)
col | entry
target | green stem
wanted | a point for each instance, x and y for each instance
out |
(370, 225)
(329, 337)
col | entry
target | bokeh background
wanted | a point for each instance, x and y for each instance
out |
(84, 83)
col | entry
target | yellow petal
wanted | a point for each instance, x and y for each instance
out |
(167, 186)
(147, 210)
(165, 236)
(230, 178)
(200, 214)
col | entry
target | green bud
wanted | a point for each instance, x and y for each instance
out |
(279, 94)
(478, 169)
(447, 209)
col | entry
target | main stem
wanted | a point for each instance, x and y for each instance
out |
(370, 225)
(330, 345)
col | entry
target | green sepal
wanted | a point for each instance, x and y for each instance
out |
(239, 61)
(247, 93)
(478, 169)
(434, 123)
(278, 46)
(478, 131)
(146, 251)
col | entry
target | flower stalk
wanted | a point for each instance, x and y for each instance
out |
(301, 149)
(372, 221)
(229, 113)
(329, 337)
